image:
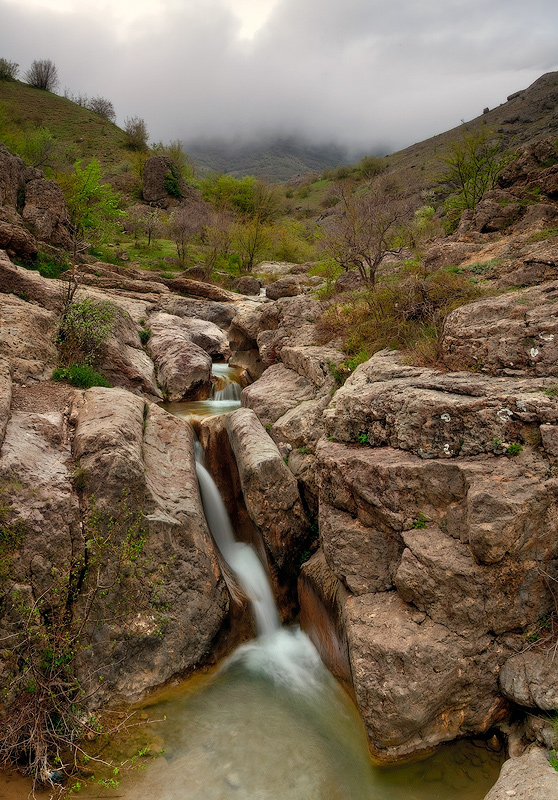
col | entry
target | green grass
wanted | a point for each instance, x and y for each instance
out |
(81, 376)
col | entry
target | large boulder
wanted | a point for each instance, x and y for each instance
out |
(45, 212)
(530, 679)
(183, 368)
(278, 390)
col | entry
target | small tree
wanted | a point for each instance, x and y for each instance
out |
(43, 74)
(184, 223)
(8, 70)
(217, 237)
(103, 107)
(39, 148)
(474, 164)
(251, 241)
(364, 230)
(136, 133)
(93, 207)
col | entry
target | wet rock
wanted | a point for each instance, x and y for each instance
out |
(530, 679)
(269, 488)
(528, 777)
(183, 368)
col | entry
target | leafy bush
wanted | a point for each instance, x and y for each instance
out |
(83, 330)
(82, 376)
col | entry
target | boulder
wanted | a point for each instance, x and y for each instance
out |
(27, 334)
(278, 390)
(45, 212)
(527, 777)
(183, 368)
(31, 286)
(530, 679)
(125, 363)
(221, 314)
(269, 488)
(417, 683)
(136, 454)
(17, 241)
(288, 286)
(12, 169)
(248, 285)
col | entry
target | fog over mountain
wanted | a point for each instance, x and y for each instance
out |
(368, 75)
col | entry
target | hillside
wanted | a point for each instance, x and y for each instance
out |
(276, 159)
(80, 133)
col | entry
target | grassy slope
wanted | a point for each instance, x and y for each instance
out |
(82, 134)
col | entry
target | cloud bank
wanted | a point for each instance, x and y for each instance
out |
(368, 74)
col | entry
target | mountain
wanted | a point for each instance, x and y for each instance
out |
(275, 159)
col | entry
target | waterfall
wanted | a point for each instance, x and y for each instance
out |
(240, 557)
(229, 392)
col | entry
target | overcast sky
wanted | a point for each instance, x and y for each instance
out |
(376, 75)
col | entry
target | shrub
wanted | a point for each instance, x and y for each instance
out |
(144, 335)
(136, 133)
(83, 330)
(42, 74)
(82, 376)
(103, 107)
(8, 70)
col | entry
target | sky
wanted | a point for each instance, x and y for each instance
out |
(372, 75)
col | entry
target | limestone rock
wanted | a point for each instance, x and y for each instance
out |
(247, 284)
(531, 679)
(124, 362)
(12, 169)
(45, 212)
(27, 334)
(278, 390)
(30, 285)
(17, 241)
(429, 684)
(528, 777)
(288, 286)
(269, 488)
(434, 414)
(221, 314)
(137, 453)
(512, 332)
(5, 396)
(183, 368)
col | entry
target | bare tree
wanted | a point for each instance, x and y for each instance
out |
(364, 230)
(184, 223)
(43, 74)
(217, 237)
(103, 107)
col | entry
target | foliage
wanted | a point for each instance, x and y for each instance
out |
(406, 313)
(46, 706)
(93, 206)
(176, 154)
(513, 449)
(8, 70)
(420, 522)
(251, 241)
(83, 376)
(43, 74)
(328, 269)
(144, 335)
(172, 180)
(39, 148)
(84, 328)
(136, 136)
(474, 163)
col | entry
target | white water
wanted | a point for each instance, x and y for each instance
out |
(240, 557)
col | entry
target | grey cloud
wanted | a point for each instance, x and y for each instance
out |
(366, 73)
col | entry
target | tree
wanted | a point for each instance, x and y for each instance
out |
(93, 207)
(184, 223)
(8, 70)
(103, 107)
(43, 74)
(251, 241)
(364, 229)
(39, 148)
(217, 237)
(136, 133)
(474, 164)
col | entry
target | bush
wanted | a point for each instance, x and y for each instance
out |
(136, 133)
(80, 375)
(8, 70)
(103, 107)
(84, 328)
(42, 74)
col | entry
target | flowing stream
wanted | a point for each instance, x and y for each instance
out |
(272, 723)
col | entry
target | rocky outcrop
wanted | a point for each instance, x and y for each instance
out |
(526, 777)
(434, 414)
(530, 679)
(45, 212)
(27, 334)
(511, 333)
